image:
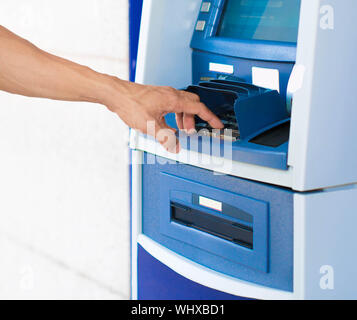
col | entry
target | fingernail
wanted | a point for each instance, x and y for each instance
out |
(192, 131)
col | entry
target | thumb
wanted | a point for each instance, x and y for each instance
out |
(166, 136)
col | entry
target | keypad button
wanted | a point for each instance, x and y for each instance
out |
(206, 6)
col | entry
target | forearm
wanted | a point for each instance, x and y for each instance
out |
(29, 71)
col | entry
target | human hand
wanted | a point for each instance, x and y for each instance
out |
(144, 108)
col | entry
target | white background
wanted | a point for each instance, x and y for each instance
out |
(64, 202)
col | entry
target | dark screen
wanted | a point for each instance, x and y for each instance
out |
(272, 20)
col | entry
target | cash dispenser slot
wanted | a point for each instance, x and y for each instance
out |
(216, 226)
(205, 217)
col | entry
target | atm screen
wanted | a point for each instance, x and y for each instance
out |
(272, 20)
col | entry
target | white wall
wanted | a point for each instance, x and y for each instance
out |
(64, 217)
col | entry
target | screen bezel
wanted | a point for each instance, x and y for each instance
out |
(249, 49)
(222, 17)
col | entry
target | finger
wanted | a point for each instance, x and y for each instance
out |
(179, 121)
(199, 109)
(189, 122)
(165, 135)
(163, 124)
(190, 96)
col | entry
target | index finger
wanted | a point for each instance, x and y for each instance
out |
(199, 109)
(190, 96)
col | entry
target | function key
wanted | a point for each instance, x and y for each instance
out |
(200, 26)
(206, 6)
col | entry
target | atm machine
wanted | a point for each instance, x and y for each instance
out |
(265, 209)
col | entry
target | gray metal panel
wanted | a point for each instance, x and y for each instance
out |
(164, 56)
(329, 242)
(323, 149)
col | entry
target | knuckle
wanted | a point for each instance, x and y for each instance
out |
(174, 101)
(192, 96)
(169, 90)
(201, 108)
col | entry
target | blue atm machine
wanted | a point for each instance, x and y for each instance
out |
(265, 208)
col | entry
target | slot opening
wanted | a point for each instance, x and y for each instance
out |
(220, 227)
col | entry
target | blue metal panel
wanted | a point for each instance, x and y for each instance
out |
(280, 229)
(158, 282)
(135, 9)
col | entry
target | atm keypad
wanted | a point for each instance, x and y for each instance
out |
(229, 133)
